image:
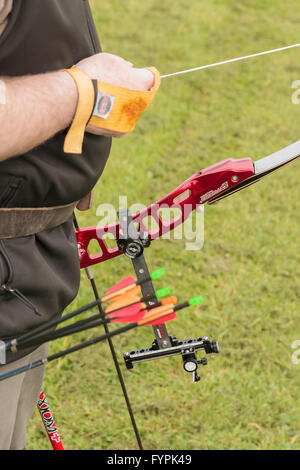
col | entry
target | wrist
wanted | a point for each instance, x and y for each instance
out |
(70, 94)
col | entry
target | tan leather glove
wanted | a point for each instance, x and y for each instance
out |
(105, 107)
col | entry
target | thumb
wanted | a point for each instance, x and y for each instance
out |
(146, 79)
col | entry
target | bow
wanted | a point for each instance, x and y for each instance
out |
(132, 238)
(207, 186)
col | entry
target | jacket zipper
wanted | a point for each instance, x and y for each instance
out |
(7, 288)
(8, 194)
(10, 191)
(20, 296)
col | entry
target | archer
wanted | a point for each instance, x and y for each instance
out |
(40, 42)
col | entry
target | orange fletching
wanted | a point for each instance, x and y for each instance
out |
(121, 302)
(134, 290)
(156, 313)
(169, 300)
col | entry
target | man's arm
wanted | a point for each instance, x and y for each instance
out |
(5, 9)
(36, 107)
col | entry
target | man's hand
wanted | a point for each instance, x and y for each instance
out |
(112, 69)
(109, 68)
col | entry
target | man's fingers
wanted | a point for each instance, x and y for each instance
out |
(146, 79)
(113, 69)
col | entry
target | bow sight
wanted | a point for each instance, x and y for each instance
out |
(187, 348)
(132, 244)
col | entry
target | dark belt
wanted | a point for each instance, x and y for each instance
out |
(22, 222)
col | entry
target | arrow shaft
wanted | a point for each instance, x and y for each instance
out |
(60, 354)
(27, 338)
(159, 314)
(89, 323)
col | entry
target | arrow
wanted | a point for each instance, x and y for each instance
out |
(169, 310)
(145, 317)
(82, 325)
(27, 338)
(159, 316)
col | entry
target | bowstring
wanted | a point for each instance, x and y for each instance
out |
(236, 59)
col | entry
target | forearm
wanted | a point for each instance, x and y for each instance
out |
(36, 108)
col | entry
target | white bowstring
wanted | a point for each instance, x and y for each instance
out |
(230, 60)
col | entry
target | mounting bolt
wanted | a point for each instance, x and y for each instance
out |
(235, 178)
(203, 361)
(215, 346)
(196, 377)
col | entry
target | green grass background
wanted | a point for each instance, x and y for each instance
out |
(248, 270)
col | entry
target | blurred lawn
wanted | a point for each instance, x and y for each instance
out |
(248, 270)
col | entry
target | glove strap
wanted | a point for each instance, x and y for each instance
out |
(86, 98)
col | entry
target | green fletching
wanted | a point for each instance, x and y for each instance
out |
(158, 273)
(162, 292)
(196, 300)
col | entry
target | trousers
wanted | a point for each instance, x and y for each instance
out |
(37, 273)
(18, 399)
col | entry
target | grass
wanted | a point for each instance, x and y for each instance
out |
(248, 270)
